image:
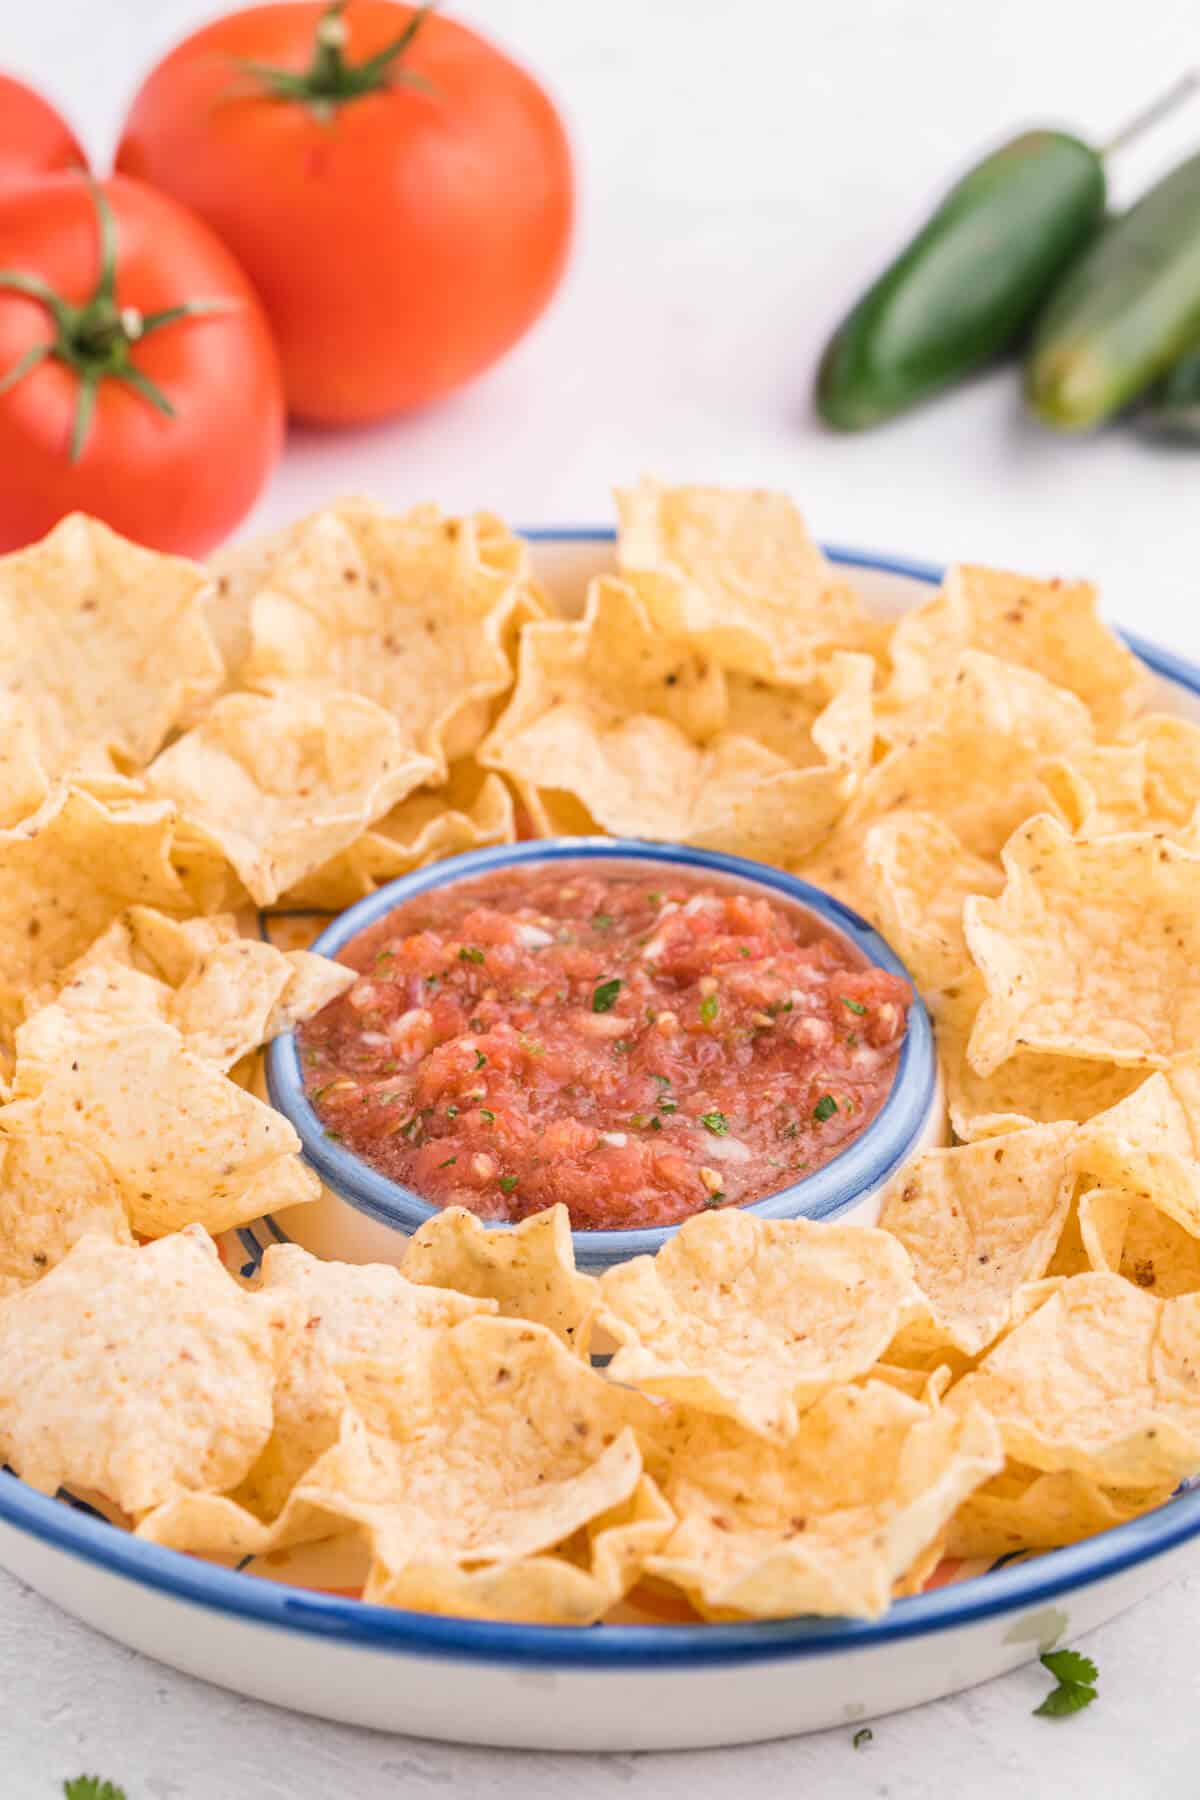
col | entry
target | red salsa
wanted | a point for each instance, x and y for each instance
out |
(638, 1044)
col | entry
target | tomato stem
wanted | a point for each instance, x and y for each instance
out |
(95, 338)
(331, 80)
(35, 354)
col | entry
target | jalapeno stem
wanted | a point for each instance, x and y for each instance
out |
(1176, 94)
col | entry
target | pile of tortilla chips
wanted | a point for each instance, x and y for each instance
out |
(787, 1417)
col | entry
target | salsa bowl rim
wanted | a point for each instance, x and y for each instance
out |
(866, 1162)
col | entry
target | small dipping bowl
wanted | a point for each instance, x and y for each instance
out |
(364, 1216)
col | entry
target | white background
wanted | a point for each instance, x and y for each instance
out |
(744, 168)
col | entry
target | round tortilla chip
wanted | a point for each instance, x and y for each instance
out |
(756, 1319)
(104, 645)
(413, 612)
(529, 1271)
(471, 811)
(1100, 1379)
(183, 1143)
(735, 572)
(351, 1311)
(1092, 950)
(979, 1221)
(1022, 1509)
(277, 784)
(1051, 627)
(139, 1373)
(829, 1521)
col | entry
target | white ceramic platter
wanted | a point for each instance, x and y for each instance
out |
(611, 1687)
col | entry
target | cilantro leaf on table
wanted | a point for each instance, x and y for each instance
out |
(1076, 1676)
(90, 1787)
(1070, 1665)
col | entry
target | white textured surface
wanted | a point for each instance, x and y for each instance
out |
(744, 169)
(74, 1703)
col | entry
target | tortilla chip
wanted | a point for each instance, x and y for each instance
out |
(1021, 1509)
(926, 1385)
(184, 1145)
(1070, 1256)
(611, 665)
(236, 572)
(24, 784)
(403, 611)
(280, 784)
(210, 883)
(1100, 790)
(217, 1525)
(1148, 782)
(1104, 1217)
(827, 1522)
(776, 818)
(65, 874)
(980, 1220)
(1172, 747)
(497, 1449)
(1099, 1378)
(529, 1271)
(1150, 1143)
(828, 720)
(471, 811)
(628, 726)
(987, 716)
(246, 993)
(826, 729)
(918, 876)
(358, 1310)
(1051, 627)
(591, 1574)
(104, 645)
(52, 1193)
(293, 931)
(351, 1311)
(238, 994)
(1092, 950)
(172, 949)
(94, 1005)
(140, 1374)
(1127, 1233)
(735, 574)
(348, 1312)
(756, 1319)
(1027, 1089)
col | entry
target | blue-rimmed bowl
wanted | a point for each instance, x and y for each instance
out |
(629, 1686)
(363, 1214)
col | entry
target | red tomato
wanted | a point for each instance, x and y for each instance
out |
(33, 139)
(176, 482)
(402, 237)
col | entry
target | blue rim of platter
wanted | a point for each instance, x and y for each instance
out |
(861, 1168)
(1014, 1586)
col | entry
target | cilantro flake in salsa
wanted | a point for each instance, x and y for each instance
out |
(639, 1053)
